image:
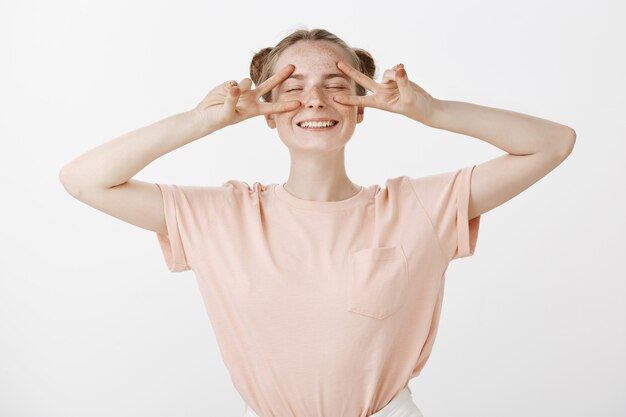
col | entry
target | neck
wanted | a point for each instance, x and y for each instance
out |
(320, 177)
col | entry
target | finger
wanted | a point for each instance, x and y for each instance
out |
(279, 107)
(389, 75)
(274, 80)
(404, 84)
(357, 76)
(365, 101)
(245, 84)
(232, 96)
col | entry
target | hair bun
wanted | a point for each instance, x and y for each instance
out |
(258, 63)
(368, 65)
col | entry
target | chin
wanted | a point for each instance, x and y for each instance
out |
(315, 144)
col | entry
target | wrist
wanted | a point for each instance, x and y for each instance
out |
(437, 109)
(203, 126)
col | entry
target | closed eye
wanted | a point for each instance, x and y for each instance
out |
(339, 87)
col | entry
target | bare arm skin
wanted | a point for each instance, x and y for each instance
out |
(102, 177)
(534, 146)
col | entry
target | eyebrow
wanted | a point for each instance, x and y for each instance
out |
(324, 76)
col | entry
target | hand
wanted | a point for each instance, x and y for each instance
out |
(396, 93)
(229, 103)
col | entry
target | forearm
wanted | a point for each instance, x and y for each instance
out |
(515, 133)
(118, 160)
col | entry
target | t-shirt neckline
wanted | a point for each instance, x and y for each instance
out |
(361, 196)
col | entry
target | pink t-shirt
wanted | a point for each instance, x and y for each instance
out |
(321, 308)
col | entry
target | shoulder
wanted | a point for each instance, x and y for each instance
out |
(241, 192)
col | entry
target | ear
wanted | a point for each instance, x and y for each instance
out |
(269, 119)
(360, 113)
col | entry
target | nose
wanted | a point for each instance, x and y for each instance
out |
(314, 98)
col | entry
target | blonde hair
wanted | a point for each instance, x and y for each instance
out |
(263, 61)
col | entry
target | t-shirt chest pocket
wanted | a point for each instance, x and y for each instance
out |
(377, 282)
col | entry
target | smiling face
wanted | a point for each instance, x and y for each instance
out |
(311, 84)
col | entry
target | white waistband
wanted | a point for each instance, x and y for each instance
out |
(402, 405)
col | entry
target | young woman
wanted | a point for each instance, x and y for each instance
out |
(324, 295)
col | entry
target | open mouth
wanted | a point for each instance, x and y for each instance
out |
(318, 126)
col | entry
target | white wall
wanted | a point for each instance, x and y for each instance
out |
(93, 324)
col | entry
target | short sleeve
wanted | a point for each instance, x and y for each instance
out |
(189, 211)
(445, 198)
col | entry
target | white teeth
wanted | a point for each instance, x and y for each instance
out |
(317, 124)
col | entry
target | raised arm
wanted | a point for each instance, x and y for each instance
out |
(102, 177)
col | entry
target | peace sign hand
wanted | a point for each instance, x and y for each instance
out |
(396, 93)
(231, 103)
